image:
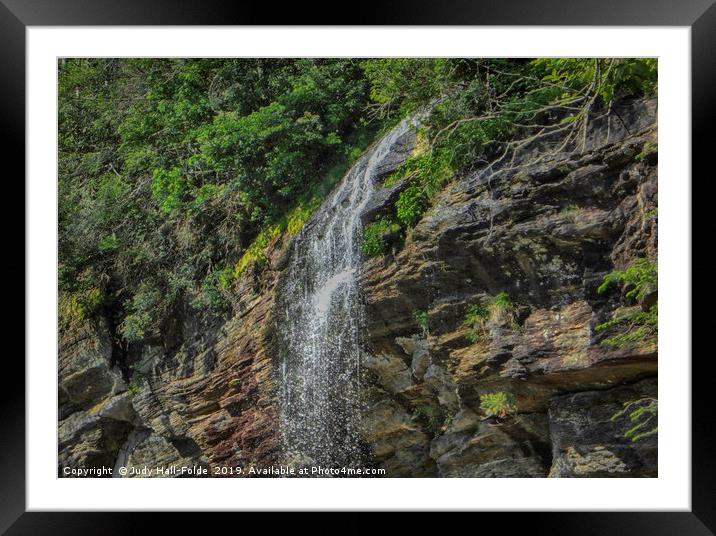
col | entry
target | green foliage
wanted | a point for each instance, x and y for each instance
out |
(421, 318)
(169, 188)
(400, 86)
(430, 170)
(475, 318)
(644, 413)
(571, 212)
(427, 174)
(411, 204)
(498, 309)
(476, 312)
(610, 77)
(499, 404)
(376, 236)
(502, 308)
(650, 147)
(141, 322)
(633, 326)
(214, 291)
(135, 381)
(108, 243)
(640, 278)
(502, 302)
(175, 173)
(78, 306)
(292, 220)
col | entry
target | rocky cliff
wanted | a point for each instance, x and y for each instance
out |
(543, 232)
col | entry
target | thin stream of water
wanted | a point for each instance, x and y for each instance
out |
(320, 332)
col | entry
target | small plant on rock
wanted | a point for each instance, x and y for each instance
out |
(634, 326)
(429, 414)
(641, 278)
(644, 413)
(571, 212)
(135, 382)
(235, 383)
(475, 319)
(501, 307)
(499, 404)
(421, 318)
(376, 237)
(650, 148)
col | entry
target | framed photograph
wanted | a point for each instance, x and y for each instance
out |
(410, 264)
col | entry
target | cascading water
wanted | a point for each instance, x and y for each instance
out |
(321, 326)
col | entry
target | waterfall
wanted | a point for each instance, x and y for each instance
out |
(320, 321)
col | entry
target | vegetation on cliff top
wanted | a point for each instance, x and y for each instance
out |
(177, 174)
(484, 110)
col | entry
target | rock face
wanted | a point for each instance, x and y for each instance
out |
(210, 402)
(587, 441)
(545, 233)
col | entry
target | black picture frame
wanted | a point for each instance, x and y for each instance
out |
(699, 15)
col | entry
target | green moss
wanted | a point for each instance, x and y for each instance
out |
(235, 383)
(291, 223)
